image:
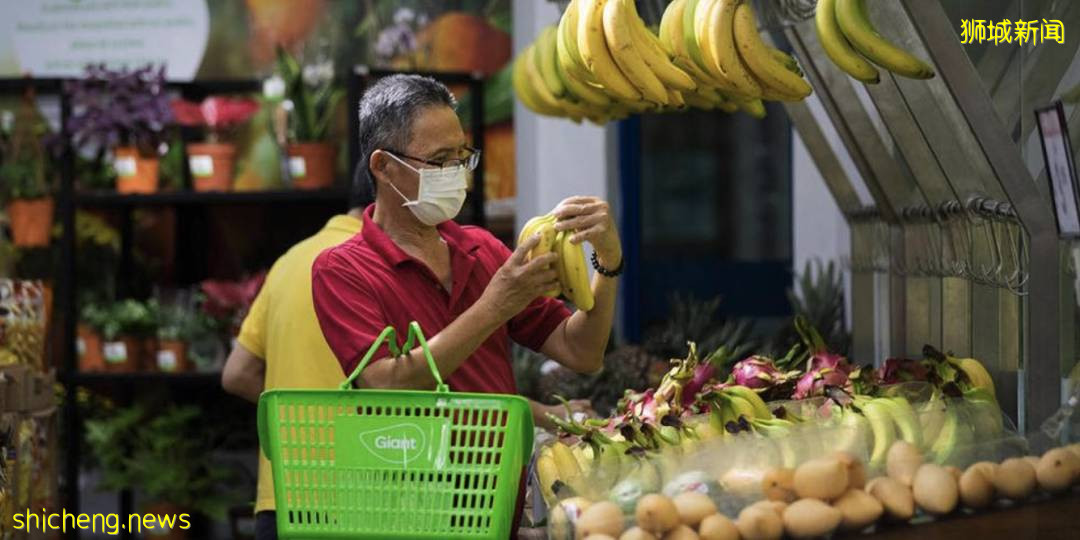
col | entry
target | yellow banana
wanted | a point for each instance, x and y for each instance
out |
(594, 52)
(698, 101)
(675, 99)
(976, 372)
(652, 52)
(536, 80)
(761, 62)
(575, 86)
(837, 47)
(545, 47)
(569, 471)
(618, 33)
(573, 275)
(721, 28)
(547, 474)
(673, 39)
(523, 86)
(884, 431)
(545, 227)
(740, 407)
(566, 35)
(786, 59)
(753, 107)
(855, 24)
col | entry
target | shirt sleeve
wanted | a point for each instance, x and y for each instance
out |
(349, 312)
(253, 330)
(539, 319)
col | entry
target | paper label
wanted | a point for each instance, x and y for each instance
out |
(115, 352)
(201, 166)
(80, 346)
(166, 360)
(297, 167)
(125, 166)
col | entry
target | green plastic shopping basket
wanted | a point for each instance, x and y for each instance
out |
(394, 464)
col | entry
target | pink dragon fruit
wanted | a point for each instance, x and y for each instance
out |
(757, 372)
(823, 368)
(898, 370)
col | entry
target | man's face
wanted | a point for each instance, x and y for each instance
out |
(436, 136)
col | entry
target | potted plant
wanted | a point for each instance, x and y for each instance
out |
(164, 456)
(130, 323)
(92, 319)
(311, 100)
(211, 162)
(125, 111)
(24, 174)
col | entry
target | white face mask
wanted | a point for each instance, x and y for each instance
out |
(440, 195)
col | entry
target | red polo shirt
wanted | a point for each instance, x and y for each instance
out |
(368, 282)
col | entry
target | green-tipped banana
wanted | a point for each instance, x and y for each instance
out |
(761, 410)
(881, 423)
(907, 424)
(946, 448)
(854, 22)
(545, 45)
(837, 47)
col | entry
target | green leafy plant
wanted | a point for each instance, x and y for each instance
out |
(24, 168)
(165, 454)
(183, 319)
(129, 318)
(818, 296)
(313, 96)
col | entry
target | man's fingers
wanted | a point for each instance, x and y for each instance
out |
(587, 235)
(523, 249)
(583, 221)
(568, 210)
(541, 262)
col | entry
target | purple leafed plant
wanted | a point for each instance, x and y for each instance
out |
(119, 107)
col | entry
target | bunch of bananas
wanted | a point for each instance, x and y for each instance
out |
(602, 63)
(570, 262)
(850, 39)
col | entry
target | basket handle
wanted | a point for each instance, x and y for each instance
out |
(415, 334)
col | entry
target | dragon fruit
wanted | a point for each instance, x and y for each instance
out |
(898, 370)
(757, 372)
(823, 368)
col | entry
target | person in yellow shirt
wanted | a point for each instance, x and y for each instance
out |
(280, 343)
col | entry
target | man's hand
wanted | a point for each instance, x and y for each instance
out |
(520, 281)
(590, 218)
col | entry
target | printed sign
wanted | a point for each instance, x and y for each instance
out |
(125, 166)
(297, 167)
(57, 38)
(201, 166)
(166, 360)
(115, 352)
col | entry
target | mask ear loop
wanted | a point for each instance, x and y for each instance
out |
(392, 186)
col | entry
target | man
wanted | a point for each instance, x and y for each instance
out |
(468, 292)
(280, 344)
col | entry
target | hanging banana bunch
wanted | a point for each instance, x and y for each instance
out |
(850, 40)
(602, 63)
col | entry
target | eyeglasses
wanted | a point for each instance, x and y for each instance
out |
(470, 161)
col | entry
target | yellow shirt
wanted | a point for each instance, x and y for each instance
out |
(281, 328)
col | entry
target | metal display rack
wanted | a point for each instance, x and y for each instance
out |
(958, 246)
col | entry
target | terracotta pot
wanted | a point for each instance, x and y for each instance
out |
(31, 221)
(169, 511)
(91, 357)
(172, 357)
(123, 355)
(135, 172)
(211, 166)
(312, 164)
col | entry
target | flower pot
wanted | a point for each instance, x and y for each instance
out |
(31, 221)
(311, 165)
(123, 355)
(211, 165)
(135, 172)
(172, 357)
(91, 357)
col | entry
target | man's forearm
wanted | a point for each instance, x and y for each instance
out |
(450, 348)
(587, 332)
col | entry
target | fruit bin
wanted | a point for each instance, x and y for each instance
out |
(823, 458)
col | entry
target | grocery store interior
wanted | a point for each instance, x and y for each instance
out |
(680, 269)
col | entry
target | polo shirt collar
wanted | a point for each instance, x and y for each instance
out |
(374, 236)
